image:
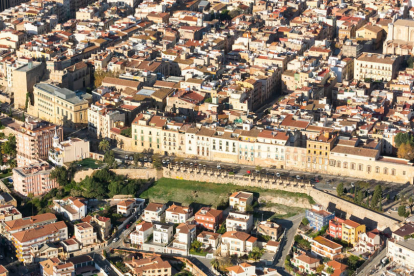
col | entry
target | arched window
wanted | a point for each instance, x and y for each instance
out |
(393, 172)
(345, 165)
(377, 169)
(352, 166)
(360, 167)
(368, 169)
(385, 170)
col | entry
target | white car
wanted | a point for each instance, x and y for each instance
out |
(115, 240)
(277, 174)
(298, 177)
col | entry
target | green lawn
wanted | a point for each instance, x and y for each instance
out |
(90, 163)
(5, 173)
(203, 193)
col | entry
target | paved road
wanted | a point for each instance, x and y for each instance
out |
(367, 270)
(104, 264)
(291, 224)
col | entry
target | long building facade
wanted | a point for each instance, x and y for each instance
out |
(319, 152)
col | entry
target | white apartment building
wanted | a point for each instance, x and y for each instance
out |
(240, 200)
(84, 233)
(142, 232)
(401, 252)
(239, 222)
(178, 214)
(238, 243)
(162, 233)
(154, 212)
(125, 207)
(72, 207)
(209, 239)
(101, 119)
(23, 241)
(73, 149)
(185, 234)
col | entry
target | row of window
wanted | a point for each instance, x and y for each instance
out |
(360, 167)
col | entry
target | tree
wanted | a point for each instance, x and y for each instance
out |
(100, 75)
(136, 159)
(104, 145)
(402, 211)
(215, 264)
(406, 151)
(12, 163)
(403, 138)
(109, 159)
(410, 60)
(196, 245)
(9, 147)
(256, 253)
(320, 268)
(340, 189)
(377, 196)
(60, 174)
(380, 206)
(359, 197)
(330, 270)
(305, 221)
(127, 132)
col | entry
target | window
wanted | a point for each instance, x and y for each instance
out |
(385, 170)
(345, 165)
(393, 171)
(338, 164)
(368, 169)
(377, 169)
(360, 167)
(352, 166)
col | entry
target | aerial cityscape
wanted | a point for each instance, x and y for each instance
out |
(206, 137)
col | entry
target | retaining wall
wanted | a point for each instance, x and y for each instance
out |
(340, 206)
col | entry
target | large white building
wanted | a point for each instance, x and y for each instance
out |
(73, 149)
(101, 119)
(71, 207)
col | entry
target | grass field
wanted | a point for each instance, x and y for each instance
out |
(90, 163)
(203, 193)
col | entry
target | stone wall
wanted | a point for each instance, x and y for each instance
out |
(130, 173)
(341, 207)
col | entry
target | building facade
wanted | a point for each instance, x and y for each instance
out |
(33, 179)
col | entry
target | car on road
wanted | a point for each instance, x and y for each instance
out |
(126, 157)
(298, 177)
(277, 174)
(218, 167)
(115, 240)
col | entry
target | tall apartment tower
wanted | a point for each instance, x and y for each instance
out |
(34, 140)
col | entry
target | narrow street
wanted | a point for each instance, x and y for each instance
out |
(291, 224)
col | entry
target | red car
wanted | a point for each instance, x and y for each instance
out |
(128, 225)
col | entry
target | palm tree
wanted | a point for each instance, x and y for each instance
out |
(103, 145)
(215, 264)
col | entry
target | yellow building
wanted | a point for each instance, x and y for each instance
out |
(351, 231)
(60, 106)
(318, 151)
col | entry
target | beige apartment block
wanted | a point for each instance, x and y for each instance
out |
(23, 80)
(34, 140)
(24, 241)
(33, 179)
(376, 67)
(60, 105)
(74, 149)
